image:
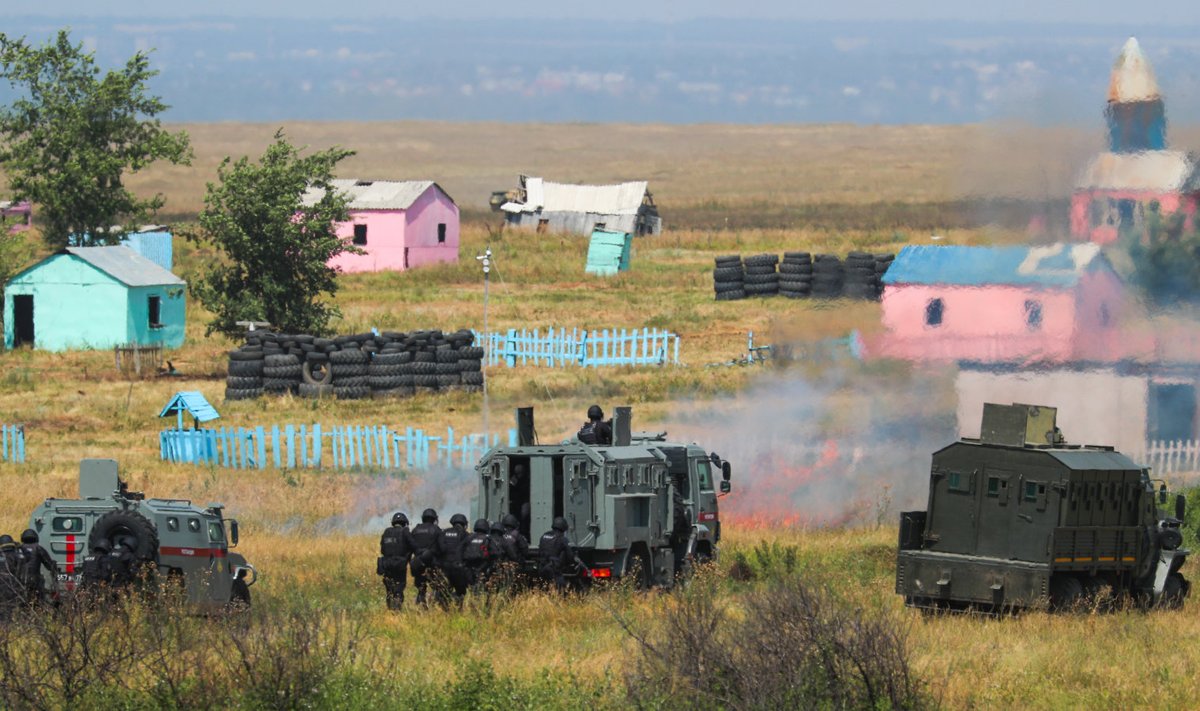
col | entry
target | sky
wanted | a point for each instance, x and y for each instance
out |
(1173, 12)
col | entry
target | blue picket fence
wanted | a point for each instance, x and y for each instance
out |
(558, 347)
(315, 447)
(12, 443)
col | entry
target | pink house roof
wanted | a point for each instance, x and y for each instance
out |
(376, 194)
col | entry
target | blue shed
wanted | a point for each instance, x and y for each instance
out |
(94, 297)
(154, 242)
(608, 252)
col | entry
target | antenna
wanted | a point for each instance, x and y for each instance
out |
(485, 261)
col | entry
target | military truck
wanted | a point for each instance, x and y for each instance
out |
(174, 538)
(1018, 518)
(641, 505)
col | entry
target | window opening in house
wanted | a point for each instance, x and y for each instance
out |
(154, 307)
(441, 233)
(934, 311)
(993, 486)
(360, 234)
(1105, 316)
(1033, 315)
(599, 226)
(1033, 490)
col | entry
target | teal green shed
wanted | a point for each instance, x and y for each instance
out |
(94, 297)
(608, 252)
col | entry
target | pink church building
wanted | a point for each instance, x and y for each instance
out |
(1016, 305)
(397, 224)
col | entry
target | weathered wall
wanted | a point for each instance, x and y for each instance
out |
(421, 234)
(75, 306)
(391, 232)
(384, 250)
(172, 315)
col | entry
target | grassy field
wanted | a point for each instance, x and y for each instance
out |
(312, 535)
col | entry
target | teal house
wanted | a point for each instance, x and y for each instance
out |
(94, 297)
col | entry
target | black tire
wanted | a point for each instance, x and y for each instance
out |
(348, 370)
(424, 357)
(722, 274)
(771, 278)
(425, 381)
(351, 381)
(787, 268)
(384, 370)
(316, 373)
(761, 259)
(447, 355)
(323, 343)
(795, 280)
(723, 286)
(245, 368)
(1066, 592)
(239, 595)
(423, 368)
(473, 377)
(315, 391)
(280, 361)
(1175, 589)
(760, 269)
(384, 382)
(737, 295)
(238, 382)
(287, 372)
(392, 358)
(762, 289)
(128, 527)
(466, 366)
(728, 259)
(246, 354)
(447, 368)
(352, 393)
(639, 570)
(445, 380)
(248, 394)
(797, 256)
(349, 356)
(317, 357)
(471, 353)
(279, 385)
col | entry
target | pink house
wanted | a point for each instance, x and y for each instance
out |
(1054, 303)
(397, 224)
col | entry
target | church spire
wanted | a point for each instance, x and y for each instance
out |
(1135, 114)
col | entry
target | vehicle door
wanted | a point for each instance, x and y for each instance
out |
(493, 501)
(996, 515)
(578, 502)
(704, 496)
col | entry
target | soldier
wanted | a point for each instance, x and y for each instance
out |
(395, 550)
(122, 566)
(556, 555)
(450, 556)
(596, 431)
(35, 559)
(11, 590)
(514, 548)
(95, 573)
(478, 552)
(426, 537)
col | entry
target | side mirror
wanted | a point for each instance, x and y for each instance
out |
(233, 533)
(726, 471)
(1180, 506)
(1162, 494)
(726, 487)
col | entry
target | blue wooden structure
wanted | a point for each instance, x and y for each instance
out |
(590, 349)
(12, 443)
(193, 403)
(374, 448)
(608, 252)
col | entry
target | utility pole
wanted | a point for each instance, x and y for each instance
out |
(486, 260)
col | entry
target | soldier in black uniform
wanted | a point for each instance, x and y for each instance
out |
(556, 556)
(395, 550)
(514, 548)
(478, 552)
(426, 537)
(35, 559)
(596, 431)
(11, 589)
(122, 566)
(450, 556)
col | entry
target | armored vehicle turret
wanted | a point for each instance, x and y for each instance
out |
(638, 504)
(1019, 518)
(171, 537)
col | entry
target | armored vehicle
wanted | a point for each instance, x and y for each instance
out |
(1019, 518)
(172, 537)
(641, 504)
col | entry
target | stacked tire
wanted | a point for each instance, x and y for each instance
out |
(882, 262)
(244, 380)
(350, 372)
(827, 277)
(761, 277)
(795, 275)
(860, 279)
(729, 278)
(281, 374)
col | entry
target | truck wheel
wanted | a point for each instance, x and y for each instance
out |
(239, 595)
(639, 570)
(130, 528)
(1098, 593)
(1174, 591)
(1066, 592)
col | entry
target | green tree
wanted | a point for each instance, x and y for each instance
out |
(1166, 258)
(275, 248)
(72, 133)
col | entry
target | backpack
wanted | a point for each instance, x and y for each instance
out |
(587, 433)
(476, 549)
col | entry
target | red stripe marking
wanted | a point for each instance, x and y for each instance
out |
(192, 552)
(70, 553)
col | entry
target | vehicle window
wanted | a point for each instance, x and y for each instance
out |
(216, 532)
(194, 525)
(67, 524)
(704, 475)
(172, 523)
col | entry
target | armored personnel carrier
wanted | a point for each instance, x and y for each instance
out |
(1019, 518)
(640, 504)
(173, 537)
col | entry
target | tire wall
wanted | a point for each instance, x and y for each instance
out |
(800, 275)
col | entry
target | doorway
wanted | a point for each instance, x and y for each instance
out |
(23, 320)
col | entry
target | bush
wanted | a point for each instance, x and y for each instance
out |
(790, 646)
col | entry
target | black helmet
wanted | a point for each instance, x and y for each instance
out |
(560, 524)
(496, 527)
(511, 522)
(458, 520)
(482, 525)
(29, 536)
(6, 541)
(399, 519)
(595, 413)
(429, 516)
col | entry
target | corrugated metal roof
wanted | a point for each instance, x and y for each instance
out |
(1093, 459)
(375, 194)
(1158, 171)
(125, 265)
(1056, 265)
(193, 403)
(619, 199)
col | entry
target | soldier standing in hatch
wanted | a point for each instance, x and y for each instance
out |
(395, 550)
(596, 431)
(35, 559)
(11, 590)
(450, 556)
(556, 556)
(425, 538)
